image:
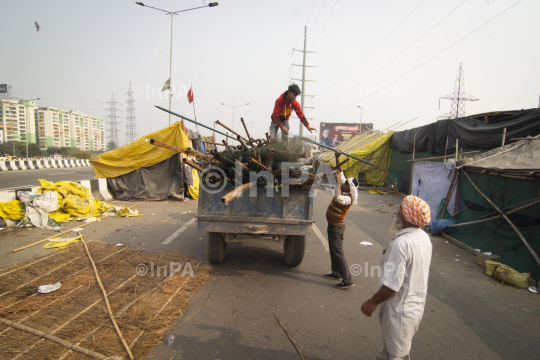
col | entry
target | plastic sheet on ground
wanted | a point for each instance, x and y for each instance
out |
(507, 275)
(60, 243)
(11, 210)
(122, 211)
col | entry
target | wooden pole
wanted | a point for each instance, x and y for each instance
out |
(65, 232)
(439, 157)
(247, 132)
(449, 193)
(445, 148)
(236, 192)
(412, 165)
(504, 137)
(457, 148)
(106, 298)
(505, 218)
(494, 217)
(211, 142)
(53, 338)
(232, 131)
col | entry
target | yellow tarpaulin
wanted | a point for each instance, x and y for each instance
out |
(194, 189)
(376, 152)
(140, 153)
(11, 210)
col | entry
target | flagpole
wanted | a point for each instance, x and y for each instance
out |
(170, 73)
(195, 116)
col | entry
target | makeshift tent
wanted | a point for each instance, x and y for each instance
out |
(431, 181)
(374, 148)
(140, 171)
(509, 177)
(440, 137)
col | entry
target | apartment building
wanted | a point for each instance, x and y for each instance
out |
(50, 127)
(17, 120)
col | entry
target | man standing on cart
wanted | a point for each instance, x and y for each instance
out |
(283, 108)
(346, 195)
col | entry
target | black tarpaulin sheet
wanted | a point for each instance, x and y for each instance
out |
(471, 133)
(156, 182)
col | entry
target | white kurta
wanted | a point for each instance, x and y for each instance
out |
(404, 269)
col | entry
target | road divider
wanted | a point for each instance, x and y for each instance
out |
(14, 165)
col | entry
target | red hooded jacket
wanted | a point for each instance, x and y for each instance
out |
(282, 110)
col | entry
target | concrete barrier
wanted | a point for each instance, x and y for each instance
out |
(14, 165)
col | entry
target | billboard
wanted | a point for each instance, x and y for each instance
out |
(333, 134)
(3, 88)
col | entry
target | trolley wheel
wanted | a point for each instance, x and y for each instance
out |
(293, 249)
(215, 247)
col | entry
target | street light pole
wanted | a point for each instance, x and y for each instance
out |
(231, 106)
(361, 111)
(172, 13)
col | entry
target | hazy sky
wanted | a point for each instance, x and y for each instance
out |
(241, 52)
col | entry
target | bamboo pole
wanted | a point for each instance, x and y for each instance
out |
(236, 192)
(459, 243)
(65, 232)
(449, 193)
(505, 218)
(504, 137)
(118, 313)
(440, 157)
(22, 267)
(63, 279)
(412, 165)
(106, 300)
(53, 338)
(494, 217)
(62, 297)
(290, 338)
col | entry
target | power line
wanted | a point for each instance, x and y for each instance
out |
(428, 60)
(299, 37)
(395, 57)
(372, 50)
(313, 46)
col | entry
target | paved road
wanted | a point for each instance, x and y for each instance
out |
(25, 178)
(467, 314)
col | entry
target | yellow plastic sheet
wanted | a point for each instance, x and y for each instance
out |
(60, 243)
(11, 210)
(140, 153)
(507, 275)
(194, 189)
(126, 212)
(377, 152)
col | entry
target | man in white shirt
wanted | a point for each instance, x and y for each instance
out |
(346, 195)
(403, 284)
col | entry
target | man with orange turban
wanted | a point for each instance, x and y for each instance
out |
(403, 283)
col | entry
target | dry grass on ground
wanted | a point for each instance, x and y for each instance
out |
(77, 312)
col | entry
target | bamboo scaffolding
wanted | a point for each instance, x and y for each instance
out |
(505, 218)
(52, 338)
(106, 298)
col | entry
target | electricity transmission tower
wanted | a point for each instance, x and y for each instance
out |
(457, 109)
(113, 121)
(131, 126)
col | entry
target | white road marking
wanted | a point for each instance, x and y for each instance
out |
(178, 232)
(62, 173)
(321, 237)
